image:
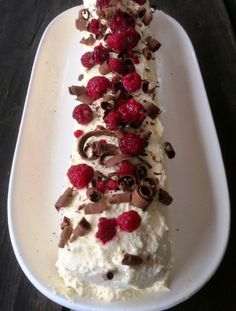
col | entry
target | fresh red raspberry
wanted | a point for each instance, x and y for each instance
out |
(116, 65)
(80, 175)
(121, 21)
(132, 38)
(129, 221)
(96, 27)
(101, 186)
(132, 144)
(112, 184)
(103, 3)
(97, 86)
(78, 133)
(102, 141)
(117, 42)
(126, 168)
(106, 229)
(100, 54)
(140, 2)
(83, 114)
(87, 60)
(132, 82)
(113, 120)
(131, 112)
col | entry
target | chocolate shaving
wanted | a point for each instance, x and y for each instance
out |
(94, 208)
(141, 171)
(147, 53)
(77, 90)
(145, 86)
(150, 183)
(153, 44)
(142, 196)
(83, 139)
(84, 98)
(120, 198)
(64, 199)
(117, 159)
(83, 227)
(164, 197)
(88, 41)
(65, 236)
(151, 110)
(131, 260)
(81, 21)
(147, 18)
(169, 150)
(65, 222)
(93, 194)
(104, 69)
(126, 182)
(141, 13)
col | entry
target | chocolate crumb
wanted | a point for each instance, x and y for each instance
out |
(131, 260)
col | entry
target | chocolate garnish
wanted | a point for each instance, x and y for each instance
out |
(141, 13)
(141, 171)
(147, 18)
(153, 44)
(65, 222)
(104, 69)
(164, 197)
(126, 182)
(94, 208)
(124, 197)
(151, 110)
(93, 194)
(65, 236)
(83, 139)
(108, 276)
(169, 150)
(100, 148)
(142, 196)
(117, 159)
(64, 199)
(88, 41)
(85, 99)
(131, 260)
(150, 183)
(129, 65)
(81, 21)
(147, 53)
(83, 227)
(144, 161)
(77, 90)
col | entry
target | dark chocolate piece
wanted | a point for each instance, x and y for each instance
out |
(126, 182)
(88, 41)
(145, 86)
(120, 198)
(142, 196)
(77, 90)
(64, 199)
(147, 53)
(153, 44)
(93, 194)
(131, 260)
(104, 69)
(83, 227)
(94, 208)
(65, 222)
(65, 236)
(164, 197)
(151, 110)
(169, 150)
(147, 18)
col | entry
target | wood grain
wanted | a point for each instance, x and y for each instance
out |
(21, 26)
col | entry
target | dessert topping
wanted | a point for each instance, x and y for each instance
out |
(131, 260)
(124, 197)
(164, 197)
(83, 227)
(81, 21)
(93, 194)
(153, 44)
(94, 208)
(151, 110)
(169, 150)
(64, 199)
(65, 235)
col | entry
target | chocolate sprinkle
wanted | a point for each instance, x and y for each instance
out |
(169, 150)
(126, 182)
(131, 260)
(164, 197)
(64, 199)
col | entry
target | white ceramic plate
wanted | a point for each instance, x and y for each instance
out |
(199, 217)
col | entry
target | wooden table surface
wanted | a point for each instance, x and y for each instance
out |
(210, 25)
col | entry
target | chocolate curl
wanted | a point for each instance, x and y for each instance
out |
(126, 182)
(93, 194)
(81, 21)
(65, 236)
(164, 197)
(94, 208)
(150, 183)
(83, 227)
(153, 44)
(124, 197)
(142, 196)
(104, 69)
(65, 199)
(147, 53)
(151, 110)
(169, 150)
(131, 260)
(85, 99)
(77, 90)
(141, 171)
(147, 18)
(117, 159)
(65, 222)
(88, 41)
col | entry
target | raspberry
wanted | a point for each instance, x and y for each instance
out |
(106, 229)
(112, 184)
(83, 114)
(131, 112)
(140, 2)
(129, 221)
(102, 141)
(101, 186)
(78, 133)
(132, 38)
(116, 65)
(100, 54)
(97, 86)
(103, 3)
(113, 120)
(80, 175)
(87, 60)
(117, 42)
(126, 168)
(132, 144)
(96, 27)
(132, 82)
(121, 21)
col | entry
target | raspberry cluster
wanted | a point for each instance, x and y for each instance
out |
(97, 57)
